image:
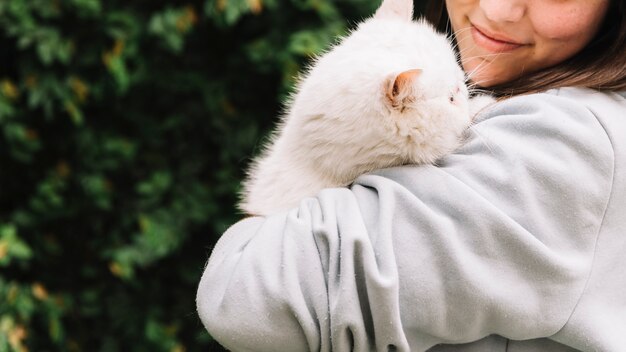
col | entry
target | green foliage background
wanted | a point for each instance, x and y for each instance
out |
(125, 127)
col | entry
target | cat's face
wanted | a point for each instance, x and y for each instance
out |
(390, 81)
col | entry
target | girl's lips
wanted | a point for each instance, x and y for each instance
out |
(492, 44)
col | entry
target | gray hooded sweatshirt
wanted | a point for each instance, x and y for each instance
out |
(516, 242)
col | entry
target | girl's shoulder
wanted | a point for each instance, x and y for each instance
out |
(578, 97)
(588, 95)
(563, 105)
(609, 108)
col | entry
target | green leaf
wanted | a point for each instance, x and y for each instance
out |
(117, 67)
(227, 13)
(11, 246)
(171, 26)
(98, 188)
(157, 184)
(87, 8)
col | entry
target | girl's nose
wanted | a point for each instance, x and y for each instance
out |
(503, 10)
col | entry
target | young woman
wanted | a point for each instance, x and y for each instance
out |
(515, 242)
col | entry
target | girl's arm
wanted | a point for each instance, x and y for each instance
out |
(497, 239)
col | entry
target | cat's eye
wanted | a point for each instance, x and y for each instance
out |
(452, 98)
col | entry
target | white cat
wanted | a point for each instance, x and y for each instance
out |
(390, 93)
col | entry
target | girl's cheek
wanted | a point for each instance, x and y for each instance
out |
(579, 20)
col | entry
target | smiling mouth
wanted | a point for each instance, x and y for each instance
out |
(491, 44)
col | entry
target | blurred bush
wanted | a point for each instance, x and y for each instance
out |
(125, 127)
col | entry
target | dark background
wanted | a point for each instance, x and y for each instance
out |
(125, 128)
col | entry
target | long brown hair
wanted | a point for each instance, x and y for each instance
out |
(601, 65)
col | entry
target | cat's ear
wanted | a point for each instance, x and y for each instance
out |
(400, 89)
(395, 9)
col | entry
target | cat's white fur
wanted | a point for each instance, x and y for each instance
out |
(390, 93)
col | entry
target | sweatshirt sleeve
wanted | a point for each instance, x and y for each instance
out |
(498, 238)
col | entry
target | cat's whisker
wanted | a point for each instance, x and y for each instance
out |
(461, 31)
(454, 36)
(472, 86)
(476, 70)
(457, 42)
(487, 55)
(476, 88)
(482, 65)
(481, 92)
